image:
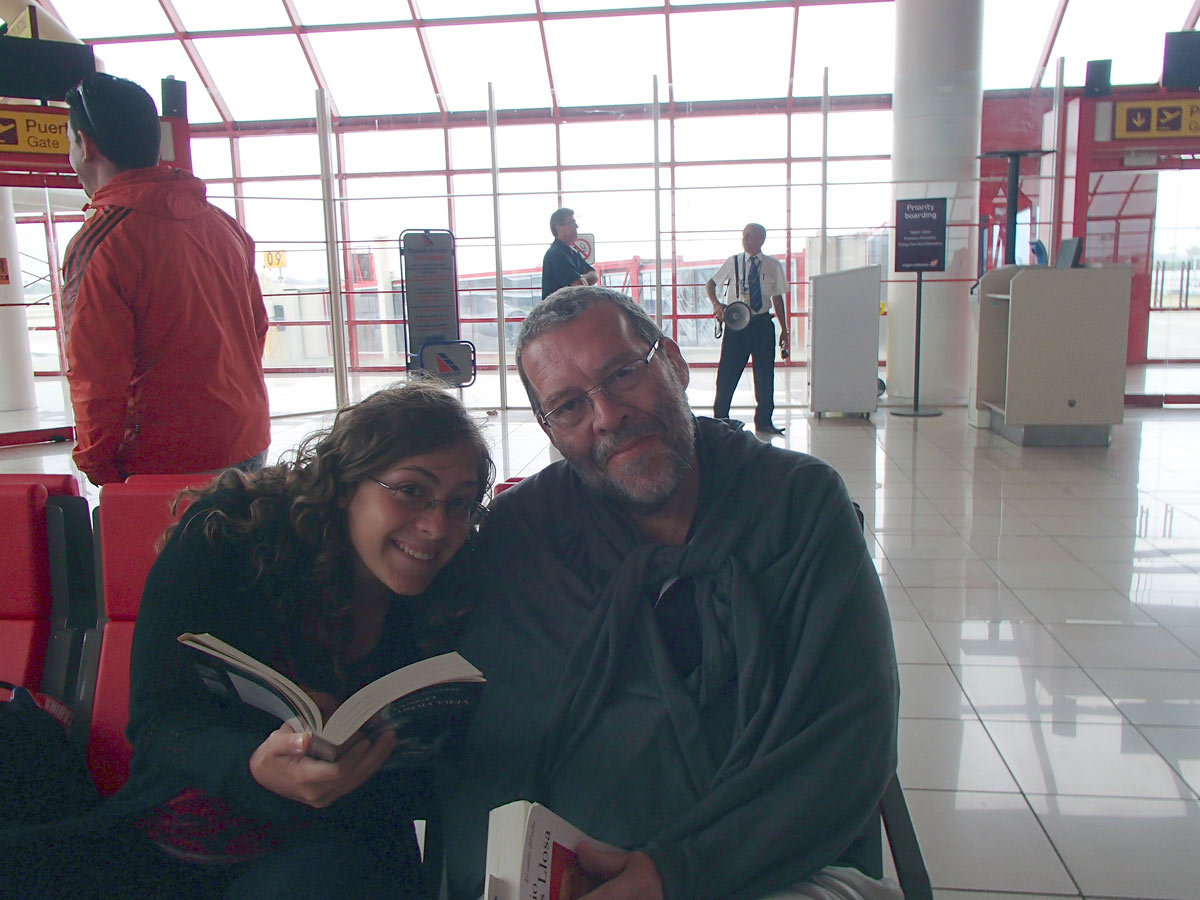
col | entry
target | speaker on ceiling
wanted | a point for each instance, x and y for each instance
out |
(1181, 61)
(174, 98)
(1098, 82)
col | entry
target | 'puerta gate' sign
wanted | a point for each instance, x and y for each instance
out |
(921, 235)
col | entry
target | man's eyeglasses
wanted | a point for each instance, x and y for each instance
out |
(620, 385)
(417, 499)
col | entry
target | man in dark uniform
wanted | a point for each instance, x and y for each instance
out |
(562, 265)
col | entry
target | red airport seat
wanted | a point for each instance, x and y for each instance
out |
(130, 520)
(55, 485)
(72, 576)
(25, 597)
(501, 486)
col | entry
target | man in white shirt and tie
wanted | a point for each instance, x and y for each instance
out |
(751, 277)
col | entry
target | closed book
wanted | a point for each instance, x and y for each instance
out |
(531, 855)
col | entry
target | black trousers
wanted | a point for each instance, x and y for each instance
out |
(756, 340)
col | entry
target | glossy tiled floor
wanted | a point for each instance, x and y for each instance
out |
(1046, 606)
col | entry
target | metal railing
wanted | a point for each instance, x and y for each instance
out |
(1172, 285)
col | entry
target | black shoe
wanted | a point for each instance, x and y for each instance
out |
(768, 429)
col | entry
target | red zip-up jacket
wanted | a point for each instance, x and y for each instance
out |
(165, 329)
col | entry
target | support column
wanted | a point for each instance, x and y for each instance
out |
(937, 109)
(16, 362)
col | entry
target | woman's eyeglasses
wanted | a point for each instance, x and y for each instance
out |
(417, 499)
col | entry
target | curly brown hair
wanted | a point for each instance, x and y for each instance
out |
(296, 509)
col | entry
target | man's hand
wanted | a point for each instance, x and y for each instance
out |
(626, 876)
(719, 312)
(282, 766)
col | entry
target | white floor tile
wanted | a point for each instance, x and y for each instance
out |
(1047, 573)
(950, 894)
(1084, 526)
(1058, 695)
(927, 546)
(931, 692)
(1152, 697)
(1125, 646)
(917, 573)
(900, 607)
(1180, 747)
(1116, 847)
(972, 524)
(950, 755)
(985, 841)
(905, 523)
(1103, 549)
(1181, 607)
(955, 604)
(1085, 758)
(1059, 606)
(1019, 547)
(998, 643)
(914, 643)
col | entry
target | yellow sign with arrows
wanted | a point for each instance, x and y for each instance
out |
(1157, 119)
(33, 131)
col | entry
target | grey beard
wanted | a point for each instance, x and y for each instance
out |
(677, 424)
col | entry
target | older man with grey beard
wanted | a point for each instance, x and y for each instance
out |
(687, 647)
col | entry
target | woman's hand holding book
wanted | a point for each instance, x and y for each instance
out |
(281, 764)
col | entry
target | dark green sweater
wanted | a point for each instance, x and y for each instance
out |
(755, 769)
(183, 735)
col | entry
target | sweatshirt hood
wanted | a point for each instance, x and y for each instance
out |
(159, 191)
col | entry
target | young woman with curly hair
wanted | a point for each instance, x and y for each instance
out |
(325, 568)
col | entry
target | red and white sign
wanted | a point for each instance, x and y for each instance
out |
(585, 244)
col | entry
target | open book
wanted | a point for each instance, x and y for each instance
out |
(427, 703)
(531, 855)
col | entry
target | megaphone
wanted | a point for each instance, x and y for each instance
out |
(737, 315)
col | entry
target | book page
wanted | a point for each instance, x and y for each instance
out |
(263, 698)
(287, 692)
(363, 704)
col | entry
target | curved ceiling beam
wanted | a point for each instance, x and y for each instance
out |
(310, 55)
(1051, 36)
(423, 40)
(193, 55)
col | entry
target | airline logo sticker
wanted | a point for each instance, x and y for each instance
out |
(1157, 119)
(445, 365)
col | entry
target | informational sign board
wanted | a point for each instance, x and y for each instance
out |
(1157, 119)
(921, 235)
(430, 287)
(40, 130)
(585, 246)
(274, 259)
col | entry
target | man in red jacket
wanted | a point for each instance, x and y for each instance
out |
(163, 313)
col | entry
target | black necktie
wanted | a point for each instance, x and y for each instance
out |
(752, 283)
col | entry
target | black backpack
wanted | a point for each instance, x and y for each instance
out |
(43, 777)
